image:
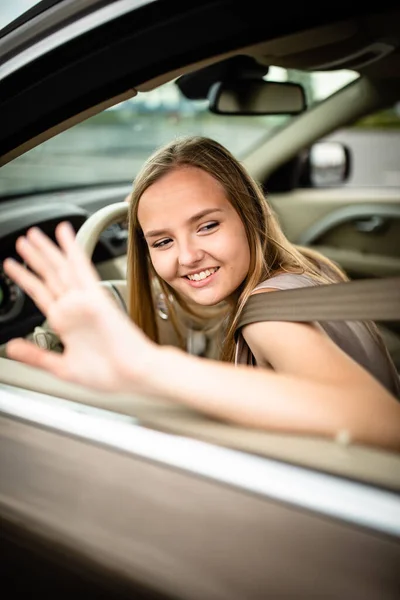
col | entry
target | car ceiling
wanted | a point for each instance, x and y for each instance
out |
(160, 40)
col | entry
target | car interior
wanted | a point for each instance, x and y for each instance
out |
(294, 100)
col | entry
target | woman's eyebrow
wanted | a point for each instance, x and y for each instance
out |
(193, 219)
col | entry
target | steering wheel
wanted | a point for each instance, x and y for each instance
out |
(88, 235)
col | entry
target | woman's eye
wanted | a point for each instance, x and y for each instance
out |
(162, 243)
(209, 226)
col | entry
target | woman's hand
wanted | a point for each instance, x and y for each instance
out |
(102, 347)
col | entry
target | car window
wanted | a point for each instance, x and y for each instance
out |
(12, 9)
(373, 143)
(111, 146)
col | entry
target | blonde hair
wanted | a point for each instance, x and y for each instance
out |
(270, 251)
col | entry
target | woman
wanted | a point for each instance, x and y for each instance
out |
(202, 232)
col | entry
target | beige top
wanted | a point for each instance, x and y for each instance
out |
(353, 337)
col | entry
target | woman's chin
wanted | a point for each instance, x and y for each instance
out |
(206, 297)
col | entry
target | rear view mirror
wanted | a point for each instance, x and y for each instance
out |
(256, 97)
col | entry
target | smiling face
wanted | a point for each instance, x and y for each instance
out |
(196, 240)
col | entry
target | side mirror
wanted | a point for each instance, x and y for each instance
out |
(328, 164)
(256, 97)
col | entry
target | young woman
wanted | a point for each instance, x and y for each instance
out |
(202, 232)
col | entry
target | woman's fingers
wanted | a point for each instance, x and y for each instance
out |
(30, 354)
(50, 271)
(78, 261)
(55, 266)
(31, 284)
(62, 268)
(57, 270)
(46, 247)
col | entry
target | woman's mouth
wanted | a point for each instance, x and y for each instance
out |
(202, 277)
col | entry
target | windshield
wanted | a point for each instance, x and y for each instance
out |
(12, 9)
(111, 146)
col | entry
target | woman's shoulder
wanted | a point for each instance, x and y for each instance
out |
(285, 281)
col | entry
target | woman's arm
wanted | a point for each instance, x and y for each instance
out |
(105, 351)
(351, 401)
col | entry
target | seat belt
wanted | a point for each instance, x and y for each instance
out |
(375, 299)
(356, 300)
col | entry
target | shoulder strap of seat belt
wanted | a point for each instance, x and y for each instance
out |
(357, 300)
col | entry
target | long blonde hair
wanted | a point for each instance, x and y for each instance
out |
(270, 251)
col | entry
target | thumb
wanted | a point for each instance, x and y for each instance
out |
(30, 354)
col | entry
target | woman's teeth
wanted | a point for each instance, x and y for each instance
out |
(202, 274)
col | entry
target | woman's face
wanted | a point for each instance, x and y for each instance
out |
(196, 240)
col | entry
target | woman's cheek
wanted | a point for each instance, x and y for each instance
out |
(161, 264)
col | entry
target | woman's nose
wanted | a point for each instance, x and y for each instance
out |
(189, 254)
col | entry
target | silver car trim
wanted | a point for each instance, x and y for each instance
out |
(69, 32)
(349, 501)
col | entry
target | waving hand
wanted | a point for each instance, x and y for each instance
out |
(100, 342)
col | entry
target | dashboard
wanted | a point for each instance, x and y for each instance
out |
(18, 314)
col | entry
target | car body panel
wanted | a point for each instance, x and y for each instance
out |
(161, 514)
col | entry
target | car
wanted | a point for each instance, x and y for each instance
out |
(124, 496)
